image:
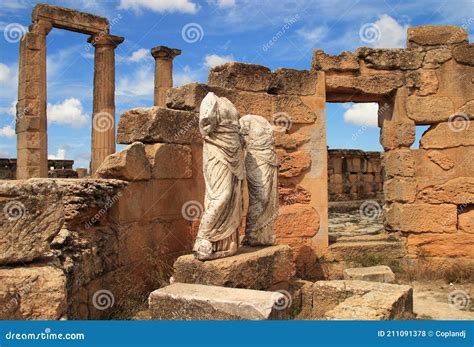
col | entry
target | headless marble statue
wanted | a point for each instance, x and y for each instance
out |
(261, 164)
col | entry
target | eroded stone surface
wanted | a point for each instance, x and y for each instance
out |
(181, 301)
(169, 160)
(380, 273)
(432, 35)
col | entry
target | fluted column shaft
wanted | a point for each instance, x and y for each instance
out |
(163, 72)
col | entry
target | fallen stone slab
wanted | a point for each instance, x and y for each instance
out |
(379, 273)
(253, 268)
(350, 251)
(182, 301)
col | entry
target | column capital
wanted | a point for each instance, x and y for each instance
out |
(41, 26)
(166, 53)
(104, 39)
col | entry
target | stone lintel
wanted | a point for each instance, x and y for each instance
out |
(69, 19)
(163, 52)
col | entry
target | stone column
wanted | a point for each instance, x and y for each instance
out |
(103, 113)
(163, 71)
(31, 122)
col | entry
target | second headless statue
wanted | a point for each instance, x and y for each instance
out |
(224, 166)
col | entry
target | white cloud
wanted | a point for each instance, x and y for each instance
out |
(313, 35)
(212, 60)
(392, 34)
(188, 75)
(8, 81)
(5, 72)
(185, 6)
(69, 112)
(60, 154)
(139, 54)
(138, 85)
(7, 131)
(222, 3)
(362, 114)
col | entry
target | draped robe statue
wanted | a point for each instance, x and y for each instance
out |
(224, 171)
(261, 164)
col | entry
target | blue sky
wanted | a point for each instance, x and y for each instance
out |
(227, 30)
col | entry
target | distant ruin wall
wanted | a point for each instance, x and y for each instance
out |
(354, 175)
(57, 168)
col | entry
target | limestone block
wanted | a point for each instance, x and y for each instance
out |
(169, 160)
(348, 251)
(436, 57)
(366, 84)
(187, 97)
(391, 58)
(252, 268)
(441, 159)
(346, 61)
(400, 189)
(354, 164)
(158, 124)
(250, 77)
(290, 141)
(458, 191)
(464, 54)
(460, 244)
(466, 219)
(468, 108)
(31, 216)
(433, 35)
(361, 300)
(298, 220)
(294, 82)
(181, 301)
(429, 109)
(130, 164)
(293, 194)
(379, 273)
(399, 162)
(293, 164)
(32, 292)
(419, 218)
(424, 81)
(446, 135)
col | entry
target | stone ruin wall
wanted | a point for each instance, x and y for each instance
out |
(57, 168)
(81, 236)
(354, 175)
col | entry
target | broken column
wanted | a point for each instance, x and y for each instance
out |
(163, 71)
(103, 118)
(31, 125)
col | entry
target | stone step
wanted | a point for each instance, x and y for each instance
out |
(379, 273)
(349, 251)
(260, 268)
(182, 301)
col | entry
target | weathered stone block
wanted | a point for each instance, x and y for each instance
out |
(252, 268)
(251, 77)
(391, 59)
(346, 61)
(459, 244)
(433, 35)
(436, 57)
(181, 301)
(130, 164)
(32, 215)
(424, 81)
(293, 164)
(418, 218)
(441, 159)
(158, 124)
(298, 220)
(399, 162)
(294, 82)
(379, 273)
(400, 189)
(464, 54)
(169, 160)
(187, 97)
(466, 219)
(458, 191)
(397, 134)
(32, 292)
(350, 251)
(293, 194)
(429, 109)
(289, 141)
(447, 135)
